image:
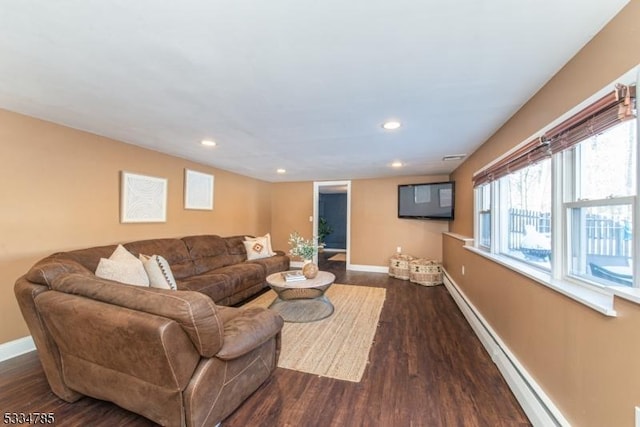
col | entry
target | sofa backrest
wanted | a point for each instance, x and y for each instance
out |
(187, 256)
(97, 340)
(89, 258)
(173, 250)
(193, 311)
(236, 248)
(209, 252)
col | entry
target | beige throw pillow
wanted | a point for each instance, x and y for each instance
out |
(122, 254)
(256, 249)
(123, 267)
(265, 240)
(159, 272)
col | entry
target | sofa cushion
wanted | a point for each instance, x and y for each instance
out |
(215, 286)
(208, 252)
(123, 267)
(273, 264)
(243, 276)
(235, 248)
(173, 250)
(159, 272)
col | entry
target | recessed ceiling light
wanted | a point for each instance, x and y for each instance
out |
(208, 143)
(281, 171)
(391, 125)
(396, 164)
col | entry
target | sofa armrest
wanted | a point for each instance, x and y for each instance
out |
(26, 292)
(45, 271)
(248, 330)
(194, 312)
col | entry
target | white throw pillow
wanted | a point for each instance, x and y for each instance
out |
(159, 272)
(265, 240)
(256, 249)
(122, 254)
(123, 267)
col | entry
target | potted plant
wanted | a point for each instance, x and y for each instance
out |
(324, 229)
(304, 249)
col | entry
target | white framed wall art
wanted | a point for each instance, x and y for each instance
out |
(198, 190)
(142, 198)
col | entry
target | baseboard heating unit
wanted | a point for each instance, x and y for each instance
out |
(539, 408)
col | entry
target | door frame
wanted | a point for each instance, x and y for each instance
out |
(317, 185)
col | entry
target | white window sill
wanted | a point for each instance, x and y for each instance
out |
(600, 300)
(625, 292)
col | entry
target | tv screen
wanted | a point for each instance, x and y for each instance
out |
(426, 201)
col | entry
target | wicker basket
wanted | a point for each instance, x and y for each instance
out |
(425, 272)
(399, 266)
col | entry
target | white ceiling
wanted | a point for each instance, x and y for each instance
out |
(295, 84)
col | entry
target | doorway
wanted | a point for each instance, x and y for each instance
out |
(332, 211)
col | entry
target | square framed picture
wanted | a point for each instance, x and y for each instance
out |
(198, 190)
(142, 198)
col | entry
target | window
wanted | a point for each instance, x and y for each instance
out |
(564, 202)
(599, 205)
(525, 223)
(484, 215)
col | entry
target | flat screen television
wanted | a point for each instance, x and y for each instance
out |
(434, 200)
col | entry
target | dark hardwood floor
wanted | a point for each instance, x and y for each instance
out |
(426, 368)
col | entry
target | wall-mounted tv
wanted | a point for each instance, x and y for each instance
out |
(434, 200)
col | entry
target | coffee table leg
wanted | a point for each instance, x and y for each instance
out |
(303, 310)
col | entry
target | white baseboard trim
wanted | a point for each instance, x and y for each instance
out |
(14, 348)
(534, 401)
(369, 268)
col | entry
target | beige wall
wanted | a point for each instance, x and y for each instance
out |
(376, 230)
(586, 362)
(59, 190)
(291, 207)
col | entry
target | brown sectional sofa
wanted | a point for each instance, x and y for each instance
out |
(216, 266)
(176, 357)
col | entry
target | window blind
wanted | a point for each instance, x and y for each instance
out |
(603, 114)
(608, 111)
(530, 153)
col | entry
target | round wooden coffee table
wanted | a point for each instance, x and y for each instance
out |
(304, 300)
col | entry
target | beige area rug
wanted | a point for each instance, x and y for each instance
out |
(338, 346)
(338, 257)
